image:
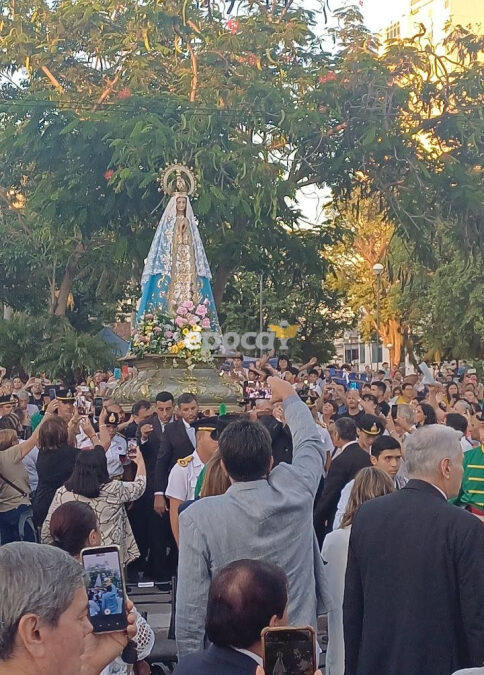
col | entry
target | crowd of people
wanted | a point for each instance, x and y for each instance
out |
(328, 492)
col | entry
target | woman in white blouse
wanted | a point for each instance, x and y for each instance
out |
(90, 483)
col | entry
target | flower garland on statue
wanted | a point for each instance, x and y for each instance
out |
(159, 333)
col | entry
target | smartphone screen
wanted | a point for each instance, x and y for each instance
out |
(254, 390)
(353, 385)
(98, 405)
(394, 411)
(52, 394)
(289, 650)
(105, 588)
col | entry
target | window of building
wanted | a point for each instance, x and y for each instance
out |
(393, 31)
(351, 353)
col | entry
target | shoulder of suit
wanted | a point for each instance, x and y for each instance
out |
(185, 461)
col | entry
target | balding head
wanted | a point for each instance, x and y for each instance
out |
(245, 597)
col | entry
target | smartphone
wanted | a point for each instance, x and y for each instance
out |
(253, 391)
(98, 405)
(132, 448)
(289, 650)
(105, 588)
(117, 373)
(394, 411)
(81, 405)
(353, 385)
(52, 394)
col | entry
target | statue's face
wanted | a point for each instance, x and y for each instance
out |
(181, 204)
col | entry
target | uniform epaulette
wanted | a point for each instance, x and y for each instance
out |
(185, 461)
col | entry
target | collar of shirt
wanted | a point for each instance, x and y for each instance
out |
(441, 491)
(343, 447)
(191, 432)
(196, 460)
(256, 658)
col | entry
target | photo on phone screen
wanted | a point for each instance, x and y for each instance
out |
(289, 650)
(254, 390)
(105, 588)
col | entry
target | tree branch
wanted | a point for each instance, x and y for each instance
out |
(193, 93)
(284, 11)
(51, 78)
(111, 84)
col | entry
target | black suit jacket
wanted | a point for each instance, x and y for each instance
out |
(150, 451)
(414, 590)
(216, 661)
(175, 444)
(343, 469)
(281, 439)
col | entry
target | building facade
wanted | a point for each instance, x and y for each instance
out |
(435, 15)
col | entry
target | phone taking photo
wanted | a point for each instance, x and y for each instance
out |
(289, 650)
(105, 588)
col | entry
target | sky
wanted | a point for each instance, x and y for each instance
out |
(379, 13)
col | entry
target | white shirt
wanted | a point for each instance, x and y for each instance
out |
(191, 433)
(256, 658)
(183, 479)
(342, 504)
(465, 444)
(117, 448)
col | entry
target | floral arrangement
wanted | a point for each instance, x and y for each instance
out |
(181, 335)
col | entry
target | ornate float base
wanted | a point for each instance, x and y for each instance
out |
(169, 373)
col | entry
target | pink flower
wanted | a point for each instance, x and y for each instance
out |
(180, 321)
(157, 329)
(168, 334)
(148, 316)
(201, 310)
(206, 323)
(182, 310)
(188, 304)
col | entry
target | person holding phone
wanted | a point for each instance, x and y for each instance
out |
(245, 597)
(90, 483)
(44, 625)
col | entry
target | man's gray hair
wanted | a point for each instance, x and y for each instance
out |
(428, 446)
(23, 394)
(405, 411)
(34, 579)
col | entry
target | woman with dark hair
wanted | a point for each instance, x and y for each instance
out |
(328, 412)
(284, 366)
(74, 526)
(89, 483)
(451, 394)
(425, 414)
(55, 463)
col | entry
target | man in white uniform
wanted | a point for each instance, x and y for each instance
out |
(184, 475)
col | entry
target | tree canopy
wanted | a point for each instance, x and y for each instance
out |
(99, 96)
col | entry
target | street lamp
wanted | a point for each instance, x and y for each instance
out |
(377, 271)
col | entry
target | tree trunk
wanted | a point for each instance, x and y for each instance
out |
(60, 299)
(219, 282)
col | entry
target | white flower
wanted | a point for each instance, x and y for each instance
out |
(193, 340)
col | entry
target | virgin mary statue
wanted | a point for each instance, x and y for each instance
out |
(176, 269)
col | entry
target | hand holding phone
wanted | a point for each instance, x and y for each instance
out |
(105, 589)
